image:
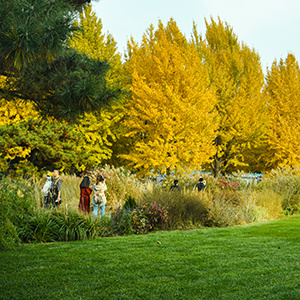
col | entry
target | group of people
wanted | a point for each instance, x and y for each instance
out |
(53, 186)
(52, 193)
(98, 199)
(199, 186)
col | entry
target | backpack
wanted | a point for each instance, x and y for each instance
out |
(99, 197)
(53, 191)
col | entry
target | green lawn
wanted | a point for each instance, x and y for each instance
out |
(260, 261)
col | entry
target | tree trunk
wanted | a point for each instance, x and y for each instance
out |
(217, 167)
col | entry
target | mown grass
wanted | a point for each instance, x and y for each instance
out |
(258, 261)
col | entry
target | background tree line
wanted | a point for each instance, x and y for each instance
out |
(69, 101)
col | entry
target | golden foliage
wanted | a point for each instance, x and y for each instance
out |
(235, 72)
(98, 135)
(283, 95)
(15, 111)
(171, 116)
(98, 127)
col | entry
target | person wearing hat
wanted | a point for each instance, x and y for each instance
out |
(175, 187)
(46, 189)
(200, 186)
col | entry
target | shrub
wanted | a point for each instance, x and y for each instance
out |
(140, 222)
(75, 226)
(50, 226)
(226, 184)
(121, 222)
(287, 185)
(105, 227)
(270, 202)
(184, 209)
(8, 234)
(17, 204)
(227, 207)
(17, 199)
(224, 208)
(157, 216)
(130, 203)
(148, 206)
(92, 226)
(40, 227)
(148, 217)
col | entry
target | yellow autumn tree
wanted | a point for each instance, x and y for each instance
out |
(235, 72)
(170, 118)
(101, 128)
(30, 144)
(15, 111)
(282, 148)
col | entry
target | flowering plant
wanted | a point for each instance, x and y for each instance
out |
(157, 215)
(148, 217)
(225, 184)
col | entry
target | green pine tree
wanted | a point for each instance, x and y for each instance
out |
(38, 64)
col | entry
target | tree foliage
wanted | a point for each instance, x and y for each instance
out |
(15, 111)
(99, 128)
(33, 145)
(170, 118)
(40, 67)
(235, 72)
(282, 90)
(193, 104)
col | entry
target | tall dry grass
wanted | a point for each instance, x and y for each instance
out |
(286, 183)
(70, 191)
(252, 202)
(120, 185)
(187, 180)
(224, 208)
(185, 209)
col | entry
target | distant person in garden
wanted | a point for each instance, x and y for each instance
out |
(56, 187)
(99, 199)
(175, 186)
(200, 186)
(46, 190)
(85, 192)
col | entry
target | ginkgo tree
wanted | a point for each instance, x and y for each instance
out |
(282, 148)
(171, 118)
(99, 128)
(236, 74)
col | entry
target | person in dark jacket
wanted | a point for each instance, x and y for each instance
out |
(175, 187)
(201, 185)
(55, 189)
(85, 192)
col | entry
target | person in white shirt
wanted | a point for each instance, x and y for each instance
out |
(99, 198)
(46, 189)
